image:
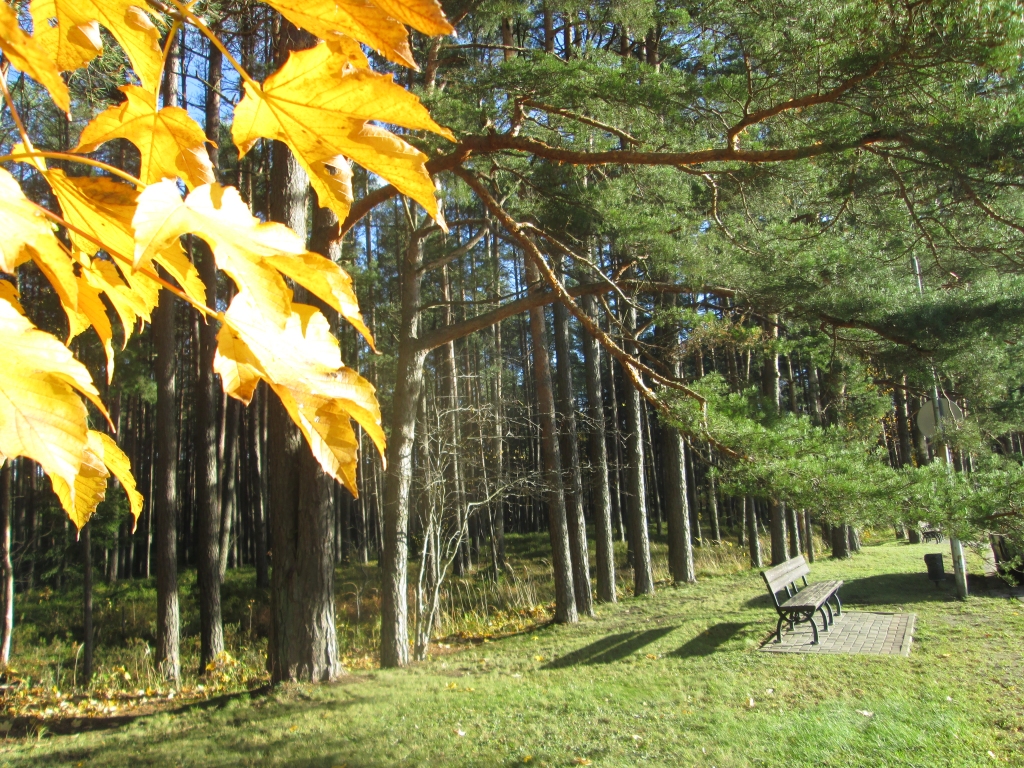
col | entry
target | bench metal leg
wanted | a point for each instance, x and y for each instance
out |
(826, 620)
(814, 628)
(778, 629)
(839, 605)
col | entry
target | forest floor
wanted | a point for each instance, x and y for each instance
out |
(674, 680)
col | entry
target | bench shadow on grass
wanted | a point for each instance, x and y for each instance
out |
(610, 648)
(710, 640)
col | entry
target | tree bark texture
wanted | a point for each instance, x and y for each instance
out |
(643, 573)
(569, 447)
(166, 475)
(85, 542)
(207, 490)
(777, 528)
(597, 449)
(303, 639)
(394, 633)
(6, 567)
(565, 600)
(677, 507)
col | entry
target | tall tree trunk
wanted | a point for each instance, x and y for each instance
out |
(549, 29)
(677, 507)
(303, 638)
(565, 601)
(808, 536)
(208, 512)
(716, 530)
(166, 501)
(228, 485)
(455, 479)
(569, 447)
(6, 567)
(903, 424)
(394, 632)
(507, 38)
(598, 453)
(643, 574)
(817, 414)
(677, 497)
(793, 529)
(498, 506)
(777, 528)
(259, 517)
(840, 541)
(753, 540)
(87, 649)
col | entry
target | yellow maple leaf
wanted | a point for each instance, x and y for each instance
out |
(70, 32)
(22, 223)
(103, 209)
(26, 53)
(131, 301)
(302, 363)
(320, 105)
(337, 20)
(423, 15)
(28, 235)
(253, 253)
(91, 307)
(170, 142)
(41, 416)
(9, 293)
(101, 459)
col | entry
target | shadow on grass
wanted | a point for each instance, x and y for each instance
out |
(898, 588)
(710, 640)
(33, 726)
(609, 649)
(891, 589)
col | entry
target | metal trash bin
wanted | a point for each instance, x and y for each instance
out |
(936, 571)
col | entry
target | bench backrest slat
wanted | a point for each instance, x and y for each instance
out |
(781, 576)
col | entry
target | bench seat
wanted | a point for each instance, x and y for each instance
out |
(812, 597)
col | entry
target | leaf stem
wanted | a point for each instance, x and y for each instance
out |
(131, 262)
(14, 111)
(199, 24)
(21, 157)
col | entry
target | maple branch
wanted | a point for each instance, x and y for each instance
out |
(72, 158)
(809, 100)
(131, 262)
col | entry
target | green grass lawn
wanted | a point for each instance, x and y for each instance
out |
(672, 680)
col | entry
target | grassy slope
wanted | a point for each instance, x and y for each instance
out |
(662, 681)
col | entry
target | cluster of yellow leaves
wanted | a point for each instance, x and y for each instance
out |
(322, 103)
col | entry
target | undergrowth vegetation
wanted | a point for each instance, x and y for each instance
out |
(45, 676)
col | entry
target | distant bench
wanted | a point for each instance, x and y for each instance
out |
(801, 603)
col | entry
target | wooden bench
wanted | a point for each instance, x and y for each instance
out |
(801, 603)
(931, 533)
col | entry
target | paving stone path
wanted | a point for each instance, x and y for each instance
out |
(853, 632)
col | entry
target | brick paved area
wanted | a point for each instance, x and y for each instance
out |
(853, 632)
